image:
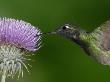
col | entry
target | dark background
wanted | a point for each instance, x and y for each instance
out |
(60, 60)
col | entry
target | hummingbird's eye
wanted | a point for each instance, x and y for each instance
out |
(65, 27)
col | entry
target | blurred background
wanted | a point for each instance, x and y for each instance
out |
(60, 60)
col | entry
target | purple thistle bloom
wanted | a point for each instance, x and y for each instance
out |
(16, 38)
(19, 33)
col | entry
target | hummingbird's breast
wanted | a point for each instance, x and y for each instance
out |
(83, 45)
(91, 46)
(94, 50)
(98, 53)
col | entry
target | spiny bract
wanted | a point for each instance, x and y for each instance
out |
(95, 43)
(17, 38)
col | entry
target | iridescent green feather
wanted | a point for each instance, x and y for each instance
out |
(98, 43)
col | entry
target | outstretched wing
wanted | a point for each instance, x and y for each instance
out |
(105, 35)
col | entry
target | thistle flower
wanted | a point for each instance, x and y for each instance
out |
(16, 39)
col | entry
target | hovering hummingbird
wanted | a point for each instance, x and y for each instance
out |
(96, 43)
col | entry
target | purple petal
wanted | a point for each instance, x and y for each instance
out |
(19, 33)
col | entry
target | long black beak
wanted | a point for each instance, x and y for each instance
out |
(47, 33)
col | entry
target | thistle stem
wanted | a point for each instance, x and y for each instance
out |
(3, 76)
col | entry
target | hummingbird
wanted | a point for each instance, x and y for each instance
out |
(96, 43)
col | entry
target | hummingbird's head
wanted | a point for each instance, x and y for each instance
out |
(71, 32)
(68, 31)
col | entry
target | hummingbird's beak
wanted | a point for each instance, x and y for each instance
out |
(47, 33)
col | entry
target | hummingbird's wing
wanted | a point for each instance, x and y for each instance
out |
(104, 35)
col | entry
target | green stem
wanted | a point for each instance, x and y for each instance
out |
(3, 76)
